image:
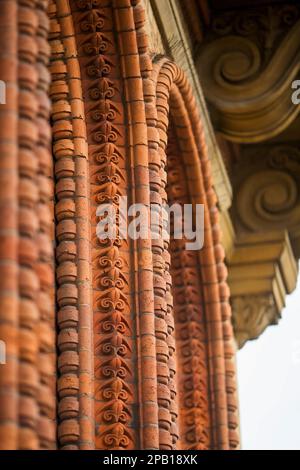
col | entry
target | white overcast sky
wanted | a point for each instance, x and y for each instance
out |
(269, 384)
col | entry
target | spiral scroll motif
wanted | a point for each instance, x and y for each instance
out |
(269, 198)
(236, 65)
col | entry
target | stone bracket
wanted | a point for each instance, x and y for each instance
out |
(262, 271)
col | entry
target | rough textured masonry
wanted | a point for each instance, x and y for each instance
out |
(122, 344)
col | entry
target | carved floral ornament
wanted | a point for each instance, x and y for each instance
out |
(120, 123)
(247, 65)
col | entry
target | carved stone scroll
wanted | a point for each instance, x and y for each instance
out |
(246, 64)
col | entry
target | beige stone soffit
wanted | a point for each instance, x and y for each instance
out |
(174, 36)
(250, 104)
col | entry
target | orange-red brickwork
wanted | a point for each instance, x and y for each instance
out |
(141, 328)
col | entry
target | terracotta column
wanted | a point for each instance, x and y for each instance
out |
(133, 371)
(28, 378)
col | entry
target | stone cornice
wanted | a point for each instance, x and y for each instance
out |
(247, 84)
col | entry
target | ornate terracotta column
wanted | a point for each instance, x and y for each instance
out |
(27, 380)
(144, 337)
(248, 62)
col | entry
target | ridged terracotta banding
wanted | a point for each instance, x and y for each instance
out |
(115, 393)
(190, 321)
(121, 126)
(213, 273)
(74, 296)
(163, 302)
(9, 267)
(172, 86)
(46, 397)
(191, 352)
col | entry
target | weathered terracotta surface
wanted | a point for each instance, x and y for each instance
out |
(27, 381)
(143, 330)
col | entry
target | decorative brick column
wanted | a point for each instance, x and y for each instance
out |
(27, 312)
(133, 370)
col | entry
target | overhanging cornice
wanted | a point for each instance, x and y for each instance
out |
(249, 95)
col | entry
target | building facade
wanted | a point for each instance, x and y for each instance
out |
(128, 343)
